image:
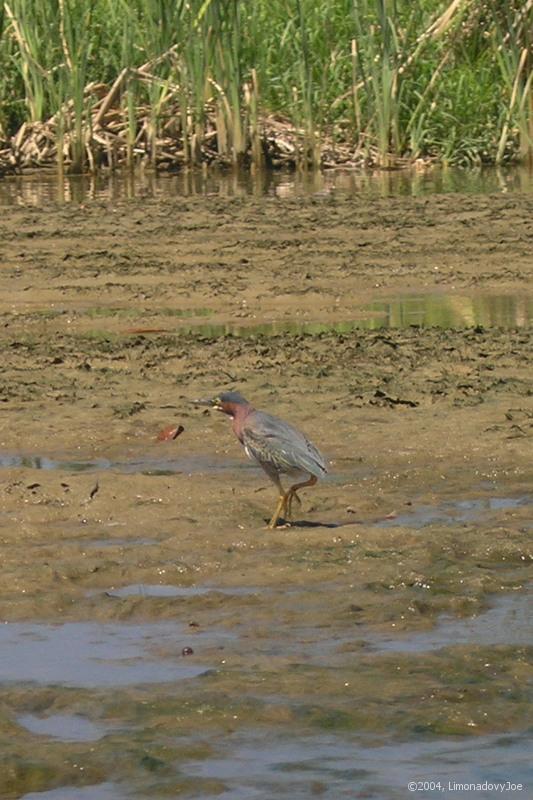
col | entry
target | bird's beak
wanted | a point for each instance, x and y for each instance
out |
(210, 402)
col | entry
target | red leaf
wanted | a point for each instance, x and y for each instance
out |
(171, 432)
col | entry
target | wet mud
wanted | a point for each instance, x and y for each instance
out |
(156, 638)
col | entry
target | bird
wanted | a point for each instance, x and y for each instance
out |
(278, 447)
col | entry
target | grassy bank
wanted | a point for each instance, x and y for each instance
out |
(100, 82)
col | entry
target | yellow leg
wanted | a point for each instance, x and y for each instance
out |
(285, 500)
(292, 493)
(280, 509)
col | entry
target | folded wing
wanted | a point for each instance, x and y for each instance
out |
(275, 443)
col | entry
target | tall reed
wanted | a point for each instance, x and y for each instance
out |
(37, 53)
(393, 79)
(75, 24)
(513, 43)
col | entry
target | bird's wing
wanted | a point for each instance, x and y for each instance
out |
(272, 441)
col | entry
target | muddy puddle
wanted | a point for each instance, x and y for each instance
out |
(506, 622)
(66, 727)
(156, 639)
(88, 654)
(102, 791)
(433, 310)
(454, 512)
(148, 466)
(249, 721)
(326, 765)
(164, 590)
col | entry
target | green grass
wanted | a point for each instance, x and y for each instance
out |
(394, 79)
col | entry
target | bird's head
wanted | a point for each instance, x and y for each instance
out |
(227, 402)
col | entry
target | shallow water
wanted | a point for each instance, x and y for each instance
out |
(102, 791)
(146, 466)
(42, 188)
(453, 512)
(250, 767)
(331, 767)
(446, 310)
(443, 310)
(65, 727)
(89, 654)
(289, 756)
(508, 621)
(166, 590)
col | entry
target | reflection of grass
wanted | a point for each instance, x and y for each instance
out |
(102, 311)
(271, 329)
(454, 311)
(439, 311)
(137, 313)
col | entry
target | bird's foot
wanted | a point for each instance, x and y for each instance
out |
(284, 510)
(279, 524)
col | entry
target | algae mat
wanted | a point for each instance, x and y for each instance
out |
(157, 640)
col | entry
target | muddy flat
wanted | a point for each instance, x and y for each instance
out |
(158, 638)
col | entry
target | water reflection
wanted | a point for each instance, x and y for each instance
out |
(330, 767)
(89, 654)
(66, 727)
(44, 187)
(146, 466)
(453, 512)
(506, 622)
(452, 311)
(433, 310)
(101, 791)
(168, 590)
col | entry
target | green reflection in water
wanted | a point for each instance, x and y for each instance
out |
(44, 187)
(439, 311)
(455, 311)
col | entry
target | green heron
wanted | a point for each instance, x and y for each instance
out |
(277, 447)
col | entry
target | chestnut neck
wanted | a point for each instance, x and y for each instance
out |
(238, 412)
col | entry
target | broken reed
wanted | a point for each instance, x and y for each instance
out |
(392, 79)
